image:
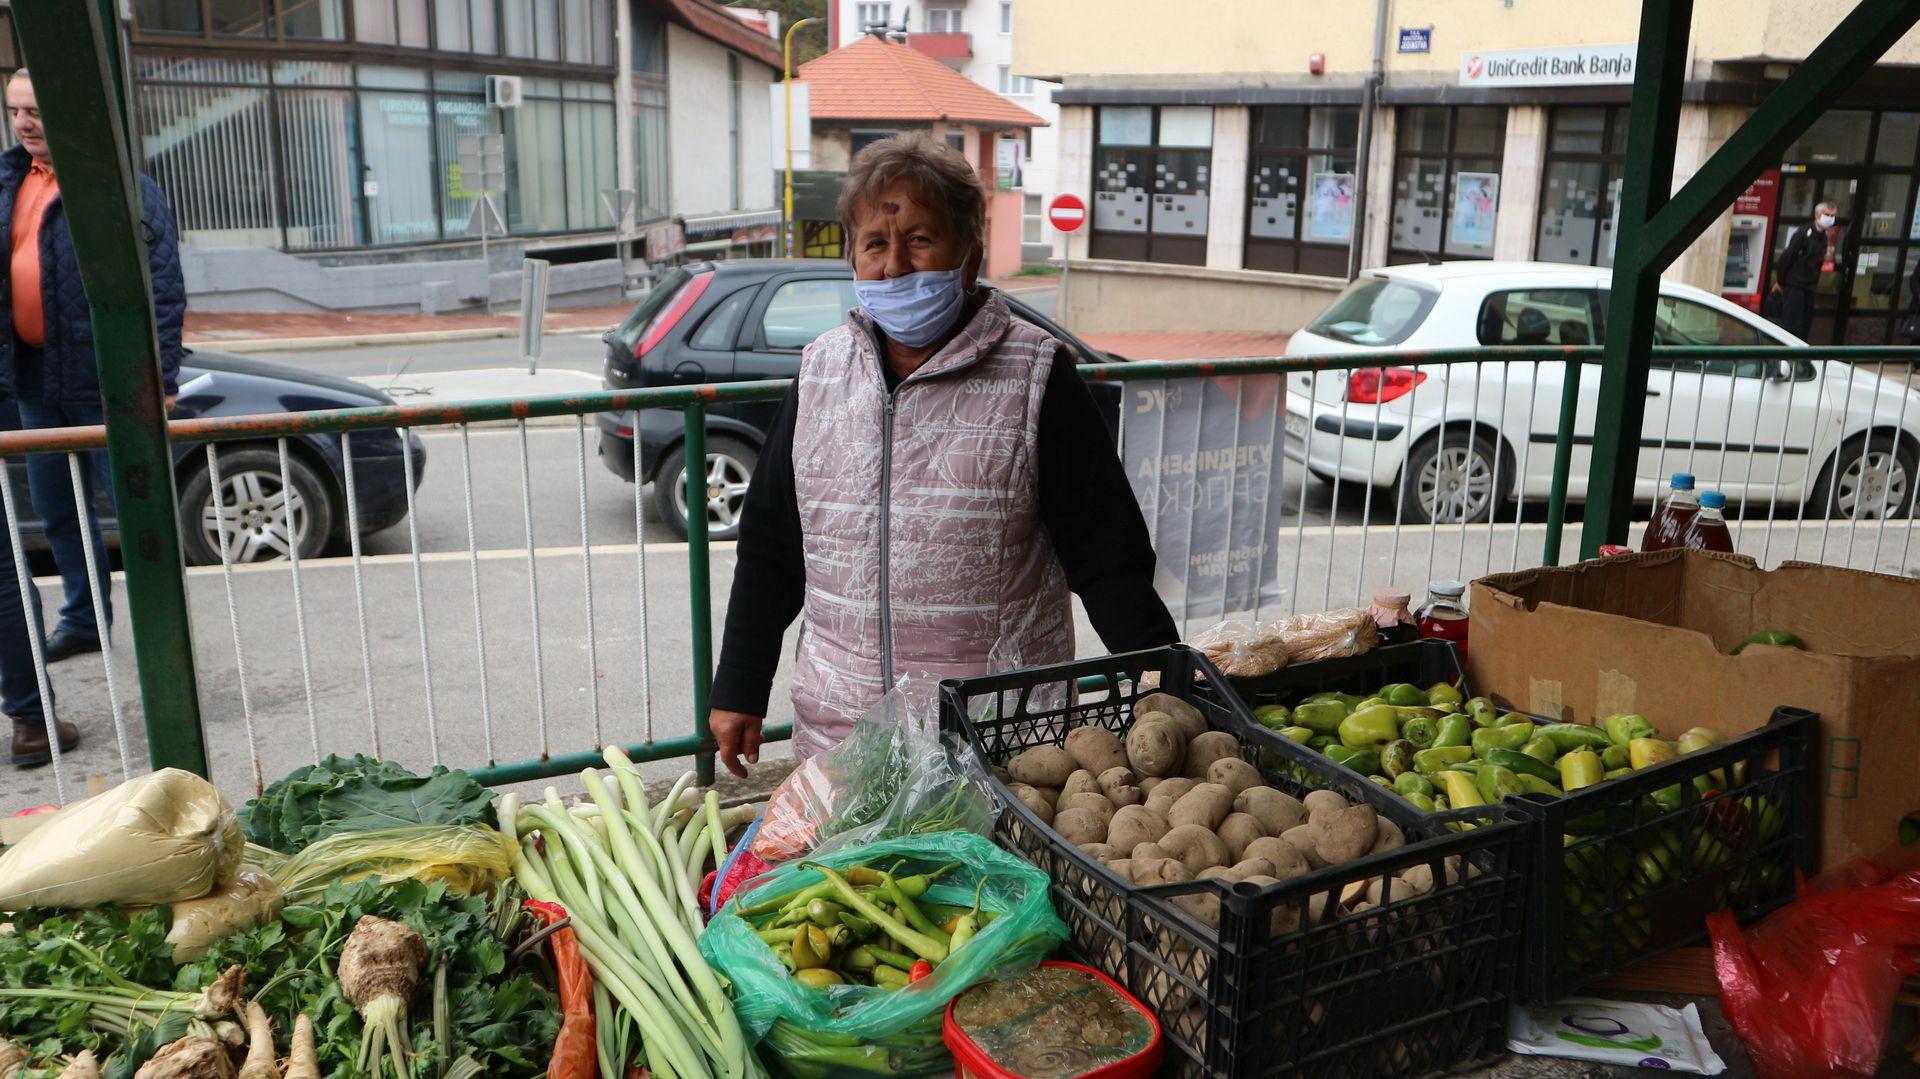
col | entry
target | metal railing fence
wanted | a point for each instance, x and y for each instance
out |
(1508, 426)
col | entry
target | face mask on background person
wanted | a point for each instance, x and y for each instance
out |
(1825, 221)
(916, 308)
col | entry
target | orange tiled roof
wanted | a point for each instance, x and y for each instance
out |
(873, 79)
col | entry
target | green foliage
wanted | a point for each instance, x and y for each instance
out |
(811, 40)
(360, 794)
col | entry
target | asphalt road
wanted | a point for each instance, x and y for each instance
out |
(566, 351)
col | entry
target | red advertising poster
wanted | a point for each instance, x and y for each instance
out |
(1749, 243)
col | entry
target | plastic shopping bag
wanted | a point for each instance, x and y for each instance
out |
(1615, 1032)
(1810, 988)
(819, 1031)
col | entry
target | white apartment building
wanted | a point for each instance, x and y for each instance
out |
(975, 38)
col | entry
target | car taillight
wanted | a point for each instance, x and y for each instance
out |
(1378, 385)
(670, 315)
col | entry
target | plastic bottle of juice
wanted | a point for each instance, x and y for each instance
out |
(1671, 519)
(1444, 618)
(1708, 529)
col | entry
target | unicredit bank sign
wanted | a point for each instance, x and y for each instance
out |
(1571, 65)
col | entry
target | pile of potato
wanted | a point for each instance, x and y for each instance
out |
(1175, 802)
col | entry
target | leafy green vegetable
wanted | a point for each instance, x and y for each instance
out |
(357, 794)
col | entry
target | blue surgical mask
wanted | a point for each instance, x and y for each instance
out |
(914, 309)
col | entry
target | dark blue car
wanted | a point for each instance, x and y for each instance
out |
(258, 525)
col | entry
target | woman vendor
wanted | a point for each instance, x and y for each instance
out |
(937, 480)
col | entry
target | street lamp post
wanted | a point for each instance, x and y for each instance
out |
(786, 219)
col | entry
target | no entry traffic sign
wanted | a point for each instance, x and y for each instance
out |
(1067, 213)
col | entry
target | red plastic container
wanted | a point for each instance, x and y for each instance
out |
(970, 1061)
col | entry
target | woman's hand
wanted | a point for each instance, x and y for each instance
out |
(737, 733)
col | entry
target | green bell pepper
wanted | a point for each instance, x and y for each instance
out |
(1381, 780)
(1397, 758)
(1533, 784)
(1365, 761)
(1511, 736)
(1413, 783)
(1461, 790)
(1404, 694)
(1616, 773)
(1508, 719)
(1370, 728)
(1580, 768)
(1455, 730)
(1421, 731)
(1423, 802)
(1568, 737)
(1494, 783)
(1541, 748)
(1303, 735)
(1273, 716)
(1615, 757)
(1624, 727)
(1523, 764)
(1321, 741)
(1323, 717)
(1339, 754)
(1482, 712)
(1441, 693)
(1440, 758)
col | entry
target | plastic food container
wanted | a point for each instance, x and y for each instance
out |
(1037, 1026)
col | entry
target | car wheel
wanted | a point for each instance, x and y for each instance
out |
(1877, 478)
(256, 518)
(729, 469)
(1449, 478)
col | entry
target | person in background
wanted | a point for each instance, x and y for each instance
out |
(1910, 325)
(1809, 252)
(47, 358)
(937, 481)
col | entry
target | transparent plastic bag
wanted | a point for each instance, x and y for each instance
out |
(470, 858)
(826, 1029)
(1242, 649)
(1325, 634)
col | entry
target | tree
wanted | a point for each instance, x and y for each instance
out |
(811, 41)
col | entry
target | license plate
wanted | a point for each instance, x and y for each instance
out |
(1296, 425)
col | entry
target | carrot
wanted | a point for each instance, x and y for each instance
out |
(303, 1061)
(259, 1063)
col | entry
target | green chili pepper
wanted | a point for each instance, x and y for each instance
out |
(1533, 784)
(1511, 736)
(1397, 758)
(778, 936)
(1421, 731)
(824, 912)
(1625, 727)
(1413, 783)
(963, 932)
(889, 957)
(889, 978)
(1494, 783)
(923, 944)
(1541, 748)
(1523, 764)
(1455, 730)
(1482, 712)
(1370, 728)
(1429, 761)
(1568, 737)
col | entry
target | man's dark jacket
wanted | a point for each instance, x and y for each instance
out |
(68, 371)
(1799, 265)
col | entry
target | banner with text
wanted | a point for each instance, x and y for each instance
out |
(1204, 458)
(1566, 65)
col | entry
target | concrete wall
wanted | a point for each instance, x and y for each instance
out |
(1003, 234)
(699, 156)
(259, 279)
(1144, 297)
(757, 117)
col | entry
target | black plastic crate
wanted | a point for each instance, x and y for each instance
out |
(1422, 663)
(1418, 987)
(1621, 879)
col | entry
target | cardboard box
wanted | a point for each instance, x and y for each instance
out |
(1651, 633)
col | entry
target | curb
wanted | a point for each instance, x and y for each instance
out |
(412, 337)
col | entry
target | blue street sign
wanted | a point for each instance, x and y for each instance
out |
(1416, 39)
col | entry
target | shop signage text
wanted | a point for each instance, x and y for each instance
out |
(1416, 38)
(1573, 65)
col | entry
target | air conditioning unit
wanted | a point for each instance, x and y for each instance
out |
(503, 91)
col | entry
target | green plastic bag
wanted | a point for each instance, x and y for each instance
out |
(858, 1029)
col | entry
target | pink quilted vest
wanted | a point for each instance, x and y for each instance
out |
(920, 518)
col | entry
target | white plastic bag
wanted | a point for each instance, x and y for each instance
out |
(1615, 1032)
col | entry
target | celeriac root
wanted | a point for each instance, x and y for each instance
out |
(193, 1057)
(379, 970)
(82, 1067)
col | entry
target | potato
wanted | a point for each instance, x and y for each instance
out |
(1276, 810)
(1301, 838)
(1133, 826)
(1120, 787)
(1051, 794)
(1346, 835)
(1043, 766)
(1319, 906)
(1002, 774)
(1237, 831)
(1149, 852)
(1167, 792)
(1080, 782)
(1156, 746)
(1286, 859)
(1196, 847)
(1207, 748)
(1096, 748)
(1041, 805)
(1081, 826)
(1390, 836)
(1101, 852)
(1149, 783)
(1395, 889)
(1092, 802)
(1420, 877)
(1206, 906)
(1160, 871)
(1251, 867)
(1234, 774)
(1122, 868)
(1186, 715)
(1285, 918)
(1205, 805)
(1318, 802)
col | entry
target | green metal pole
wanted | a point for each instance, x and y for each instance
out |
(1562, 461)
(699, 588)
(72, 50)
(1659, 76)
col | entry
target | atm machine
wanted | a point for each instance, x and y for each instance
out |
(1748, 249)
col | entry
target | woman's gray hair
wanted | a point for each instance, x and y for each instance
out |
(938, 174)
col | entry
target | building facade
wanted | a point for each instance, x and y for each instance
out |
(305, 144)
(1229, 187)
(975, 38)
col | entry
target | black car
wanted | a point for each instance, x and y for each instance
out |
(737, 321)
(257, 526)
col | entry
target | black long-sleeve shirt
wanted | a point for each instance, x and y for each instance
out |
(1086, 506)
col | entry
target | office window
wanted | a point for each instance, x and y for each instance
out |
(1151, 178)
(1300, 188)
(944, 20)
(373, 22)
(863, 139)
(1006, 18)
(181, 16)
(873, 15)
(649, 43)
(317, 20)
(1585, 163)
(536, 190)
(412, 19)
(577, 31)
(1446, 182)
(650, 152)
(451, 29)
(240, 18)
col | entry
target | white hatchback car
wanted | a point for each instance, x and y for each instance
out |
(1468, 437)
